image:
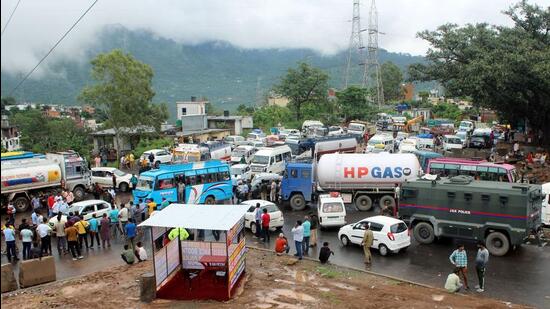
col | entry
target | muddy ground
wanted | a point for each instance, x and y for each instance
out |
(271, 282)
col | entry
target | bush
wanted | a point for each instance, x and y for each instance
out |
(147, 144)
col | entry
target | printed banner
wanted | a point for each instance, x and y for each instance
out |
(234, 231)
(160, 266)
(173, 256)
(193, 251)
(236, 262)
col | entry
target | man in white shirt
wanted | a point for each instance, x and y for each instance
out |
(453, 285)
(298, 236)
(44, 231)
(26, 235)
(123, 217)
(140, 252)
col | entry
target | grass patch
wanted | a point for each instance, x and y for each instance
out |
(329, 272)
(331, 297)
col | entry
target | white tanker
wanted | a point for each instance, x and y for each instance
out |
(363, 178)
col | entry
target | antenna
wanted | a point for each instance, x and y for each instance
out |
(356, 47)
(372, 66)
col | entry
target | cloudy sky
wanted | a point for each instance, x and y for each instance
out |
(322, 25)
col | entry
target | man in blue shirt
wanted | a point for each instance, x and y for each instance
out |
(9, 236)
(94, 230)
(113, 215)
(307, 233)
(130, 230)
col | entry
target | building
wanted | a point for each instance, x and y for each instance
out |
(10, 135)
(194, 129)
(105, 139)
(192, 107)
(235, 124)
(278, 101)
(88, 109)
(415, 112)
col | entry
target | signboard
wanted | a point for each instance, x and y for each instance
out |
(173, 256)
(236, 263)
(192, 251)
(234, 231)
(160, 266)
(158, 232)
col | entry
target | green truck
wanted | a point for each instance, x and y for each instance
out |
(502, 214)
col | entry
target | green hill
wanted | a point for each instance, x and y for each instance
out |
(225, 74)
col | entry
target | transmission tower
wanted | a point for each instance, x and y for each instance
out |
(372, 67)
(356, 47)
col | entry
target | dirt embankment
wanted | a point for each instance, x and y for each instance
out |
(271, 282)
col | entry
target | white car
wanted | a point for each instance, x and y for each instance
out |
(463, 135)
(234, 140)
(390, 234)
(335, 130)
(240, 172)
(451, 142)
(161, 156)
(103, 176)
(86, 209)
(545, 204)
(276, 216)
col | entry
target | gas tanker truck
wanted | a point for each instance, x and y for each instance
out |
(24, 176)
(361, 179)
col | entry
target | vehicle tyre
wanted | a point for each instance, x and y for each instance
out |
(403, 249)
(297, 202)
(497, 243)
(21, 204)
(363, 203)
(424, 233)
(383, 250)
(387, 200)
(210, 200)
(157, 164)
(253, 228)
(79, 193)
(123, 187)
(345, 240)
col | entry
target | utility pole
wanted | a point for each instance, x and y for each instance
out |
(355, 47)
(372, 66)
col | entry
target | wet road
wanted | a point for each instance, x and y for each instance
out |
(523, 276)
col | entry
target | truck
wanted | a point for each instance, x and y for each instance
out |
(23, 178)
(501, 214)
(358, 129)
(361, 179)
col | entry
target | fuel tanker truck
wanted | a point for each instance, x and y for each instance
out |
(26, 176)
(361, 179)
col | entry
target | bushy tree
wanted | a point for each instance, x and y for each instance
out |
(353, 104)
(392, 79)
(271, 116)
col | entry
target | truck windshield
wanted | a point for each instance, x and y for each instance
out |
(238, 153)
(398, 228)
(356, 127)
(145, 184)
(260, 160)
(333, 207)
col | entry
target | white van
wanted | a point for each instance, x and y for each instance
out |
(271, 159)
(380, 143)
(331, 210)
(545, 204)
(451, 142)
(245, 151)
(466, 125)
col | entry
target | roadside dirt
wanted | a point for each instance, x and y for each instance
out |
(271, 282)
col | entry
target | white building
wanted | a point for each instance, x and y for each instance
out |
(192, 107)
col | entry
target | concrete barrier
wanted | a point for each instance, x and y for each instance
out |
(35, 271)
(8, 279)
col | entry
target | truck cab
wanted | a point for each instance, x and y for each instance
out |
(297, 185)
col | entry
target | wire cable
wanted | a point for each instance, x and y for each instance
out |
(53, 47)
(9, 19)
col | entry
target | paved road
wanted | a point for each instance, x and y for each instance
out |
(520, 277)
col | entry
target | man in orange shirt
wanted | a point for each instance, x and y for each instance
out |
(72, 238)
(281, 244)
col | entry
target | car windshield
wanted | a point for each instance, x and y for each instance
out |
(398, 228)
(145, 184)
(454, 141)
(238, 153)
(261, 159)
(333, 207)
(373, 142)
(119, 173)
(236, 171)
(271, 208)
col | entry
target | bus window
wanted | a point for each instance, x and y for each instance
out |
(451, 170)
(223, 175)
(166, 184)
(190, 180)
(294, 173)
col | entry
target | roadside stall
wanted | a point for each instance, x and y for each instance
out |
(209, 263)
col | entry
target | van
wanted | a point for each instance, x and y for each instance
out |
(380, 143)
(245, 151)
(234, 140)
(466, 125)
(451, 142)
(271, 159)
(331, 210)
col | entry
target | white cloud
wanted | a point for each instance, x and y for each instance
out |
(319, 24)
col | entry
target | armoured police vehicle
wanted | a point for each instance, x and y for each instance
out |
(502, 214)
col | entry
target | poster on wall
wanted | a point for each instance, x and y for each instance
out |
(236, 263)
(160, 266)
(193, 251)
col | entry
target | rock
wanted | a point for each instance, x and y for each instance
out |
(8, 278)
(291, 262)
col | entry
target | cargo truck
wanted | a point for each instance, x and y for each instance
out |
(361, 179)
(24, 177)
(501, 214)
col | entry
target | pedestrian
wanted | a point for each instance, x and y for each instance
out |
(482, 257)
(70, 198)
(113, 215)
(263, 191)
(453, 285)
(9, 237)
(130, 231)
(307, 234)
(23, 225)
(94, 231)
(133, 212)
(459, 259)
(134, 182)
(313, 230)
(112, 195)
(165, 203)
(127, 255)
(51, 200)
(44, 231)
(97, 161)
(273, 191)
(82, 226)
(34, 217)
(266, 218)
(10, 210)
(278, 194)
(516, 148)
(36, 202)
(151, 206)
(325, 253)
(258, 219)
(72, 238)
(105, 230)
(114, 182)
(60, 234)
(123, 216)
(142, 209)
(140, 252)
(131, 160)
(98, 192)
(151, 158)
(26, 236)
(368, 238)
(281, 244)
(298, 236)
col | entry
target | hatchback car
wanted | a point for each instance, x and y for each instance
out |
(276, 216)
(86, 209)
(103, 176)
(390, 234)
(160, 155)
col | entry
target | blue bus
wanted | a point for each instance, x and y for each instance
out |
(204, 182)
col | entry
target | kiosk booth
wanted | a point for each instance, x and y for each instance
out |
(210, 262)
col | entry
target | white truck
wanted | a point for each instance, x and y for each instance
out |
(25, 177)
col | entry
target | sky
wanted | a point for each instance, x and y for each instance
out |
(322, 25)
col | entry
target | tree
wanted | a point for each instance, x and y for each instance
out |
(446, 110)
(243, 110)
(352, 103)
(502, 68)
(392, 79)
(271, 116)
(124, 92)
(7, 101)
(303, 85)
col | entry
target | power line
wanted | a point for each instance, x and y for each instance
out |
(9, 19)
(51, 50)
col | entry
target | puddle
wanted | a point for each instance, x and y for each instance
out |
(344, 286)
(438, 297)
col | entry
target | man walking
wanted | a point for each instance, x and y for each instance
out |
(60, 233)
(266, 218)
(72, 239)
(307, 233)
(26, 235)
(313, 230)
(9, 237)
(273, 191)
(44, 232)
(94, 231)
(368, 238)
(298, 236)
(258, 219)
(130, 230)
(81, 227)
(113, 215)
(105, 230)
(482, 257)
(460, 260)
(123, 216)
(263, 190)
